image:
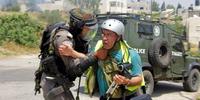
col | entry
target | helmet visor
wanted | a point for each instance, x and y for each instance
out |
(91, 33)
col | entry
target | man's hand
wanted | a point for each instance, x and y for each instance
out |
(121, 80)
(101, 54)
(66, 50)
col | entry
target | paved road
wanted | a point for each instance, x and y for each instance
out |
(16, 82)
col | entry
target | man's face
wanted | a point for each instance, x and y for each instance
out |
(84, 31)
(88, 33)
(109, 38)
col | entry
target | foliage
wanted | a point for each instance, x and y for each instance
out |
(88, 4)
(155, 6)
(11, 48)
(163, 8)
(19, 28)
(195, 54)
(179, 6)
(177, 25)
(194, 50)
(170, 7)
(155, 16)
(197, 2)
(51, 16)
(198, 97)
(10, 5)
(31, 3)
(32, 6)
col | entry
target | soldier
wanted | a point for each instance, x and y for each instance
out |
(59, 71)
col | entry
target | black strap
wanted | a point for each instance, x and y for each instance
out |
(77, 97)
(123, 93)
(143, 89)
(123, 87)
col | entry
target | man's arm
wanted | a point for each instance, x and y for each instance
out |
(76, 64)
(67, 50)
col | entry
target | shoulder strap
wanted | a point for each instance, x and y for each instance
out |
(125, 51)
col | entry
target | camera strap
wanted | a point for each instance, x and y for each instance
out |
(77, 96)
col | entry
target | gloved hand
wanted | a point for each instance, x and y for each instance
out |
(66, 49)
(37, 88)
(101, 54)
(38, 75)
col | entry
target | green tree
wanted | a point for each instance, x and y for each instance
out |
(179, 6)
(163, 8)
(170, 7)
(51, 16)
(155, 6)
(178, 26)
(197, 2)
(31, 3)
(19, 28)
(88, 4)
(11, 5)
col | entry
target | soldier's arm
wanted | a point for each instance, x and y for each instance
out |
(67, 50)
(76, 66)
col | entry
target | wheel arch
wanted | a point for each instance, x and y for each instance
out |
(147, 66)
(193, 65)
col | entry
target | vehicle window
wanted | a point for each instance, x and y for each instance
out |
(177, 44)
(145, 29)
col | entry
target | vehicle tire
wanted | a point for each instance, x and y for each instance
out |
(149, 81)
(159, 54)
(191, 83)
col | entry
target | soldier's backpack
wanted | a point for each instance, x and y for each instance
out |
(44, 49)
(45, 42)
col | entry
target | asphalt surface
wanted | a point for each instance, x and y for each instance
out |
(17, 82)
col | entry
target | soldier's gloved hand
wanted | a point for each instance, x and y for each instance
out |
(37, 89)
(66, 49)
(101, 54)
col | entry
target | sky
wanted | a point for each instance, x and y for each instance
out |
(184, 3)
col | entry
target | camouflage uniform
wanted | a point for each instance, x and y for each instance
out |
(50, 86)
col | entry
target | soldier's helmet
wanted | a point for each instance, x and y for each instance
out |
(80, 18)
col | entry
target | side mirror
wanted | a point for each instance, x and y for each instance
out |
(178, 47)
(186, 46)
